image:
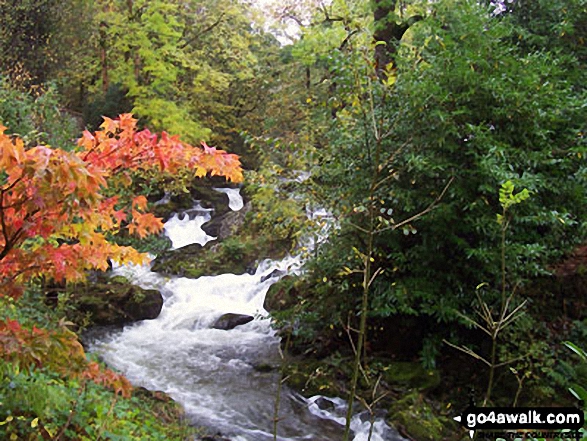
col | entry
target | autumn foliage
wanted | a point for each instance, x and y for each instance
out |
(58, 350)
(56, 209)
(54, 215)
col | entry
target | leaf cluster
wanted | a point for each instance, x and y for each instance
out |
(53, 214)
(468, 104)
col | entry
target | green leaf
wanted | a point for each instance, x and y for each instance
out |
(577, 350)
(579, 392)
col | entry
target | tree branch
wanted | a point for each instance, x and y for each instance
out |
(421, 213)
(204, 31)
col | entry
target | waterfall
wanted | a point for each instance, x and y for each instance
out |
(214, 373)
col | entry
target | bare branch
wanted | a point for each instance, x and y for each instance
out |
(468, 352)
(421, 213)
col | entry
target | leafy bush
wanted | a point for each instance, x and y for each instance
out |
(41, 404)
(37, 116)
(462, 105)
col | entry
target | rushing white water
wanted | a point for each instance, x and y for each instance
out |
(187, 229)
(235, 200)
(214, 373)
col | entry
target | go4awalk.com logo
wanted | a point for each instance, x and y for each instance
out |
(549, 419)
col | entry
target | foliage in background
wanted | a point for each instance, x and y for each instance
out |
(464, 101)
(37, 116)
(200, 69)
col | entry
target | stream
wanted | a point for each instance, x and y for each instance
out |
(217, 375)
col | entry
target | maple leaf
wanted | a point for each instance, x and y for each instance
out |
(51, 196)
(207, 149)
(140, 202)
(109, 125)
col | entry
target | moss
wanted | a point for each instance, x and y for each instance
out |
(411, 375)
(118, 280)
(415, 416)
(312, 377)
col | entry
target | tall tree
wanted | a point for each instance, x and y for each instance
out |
(25, 39)
(390, 25)
(468, 102)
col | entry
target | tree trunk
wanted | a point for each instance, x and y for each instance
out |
(389, 33)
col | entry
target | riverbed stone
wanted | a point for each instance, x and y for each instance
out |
(161, 403)
(416, 418)
(204, 192)
(181, 262)
(114, 301)
(217, 437)
(272, 274)
(230, 321)
(282, 295)
(225, 225)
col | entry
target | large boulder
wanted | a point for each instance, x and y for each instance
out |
(231, 321)
(283, 295)
(184, 262)
(114, 301)
(226, 224)
(204, 192)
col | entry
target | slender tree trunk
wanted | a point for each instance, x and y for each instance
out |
(135, 53)
(103, 57)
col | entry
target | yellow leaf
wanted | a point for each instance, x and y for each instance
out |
(200, 172)
(35, 423)
(140, 202)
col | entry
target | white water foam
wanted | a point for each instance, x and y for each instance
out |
(212, 372)
(235, 200)
(185, 230)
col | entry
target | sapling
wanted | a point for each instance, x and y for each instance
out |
(494, 323)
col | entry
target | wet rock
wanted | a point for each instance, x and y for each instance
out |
(265, 367)
(114, 301)
(231, 321)
(283, 295)
(181, 262)
(274, 273)
(227, 224)
(194, 261)
(210, 198)
(217, 437)
(162, 404)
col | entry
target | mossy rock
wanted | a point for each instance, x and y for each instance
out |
(417, 418)
(114, 301)
(161, 404)
(236, 255)
(226, 224)
(210, 198)
(200, 190)
(194, 261)
(283, 295)
(410, 375)
(179, 262)
(312, 377)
